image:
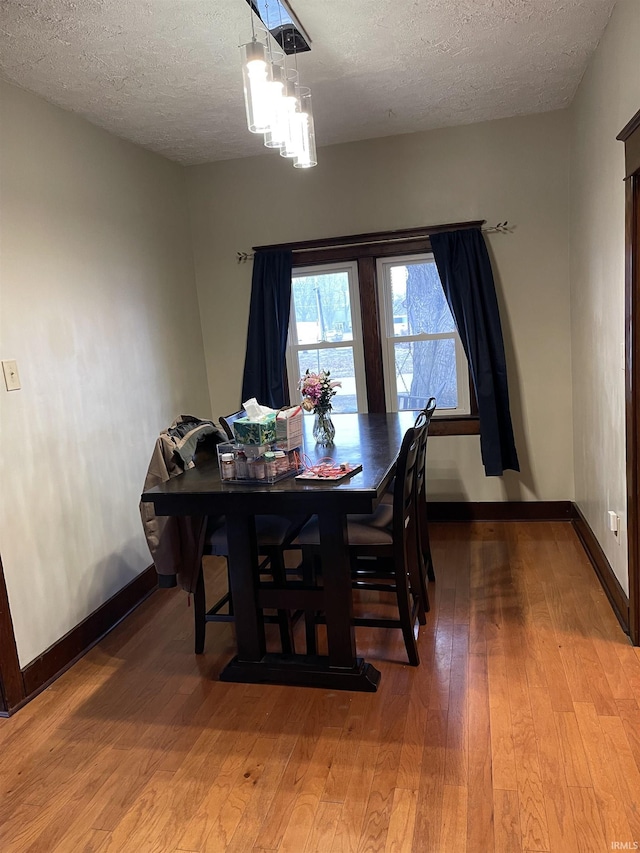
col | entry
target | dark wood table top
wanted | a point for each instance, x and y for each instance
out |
(372, 440)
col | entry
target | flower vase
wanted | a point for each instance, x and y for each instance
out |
(323, 428)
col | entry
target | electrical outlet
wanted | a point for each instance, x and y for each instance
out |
(11, 377)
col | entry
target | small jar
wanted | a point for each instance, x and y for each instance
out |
(282, 463)
(227, 466)
(270, 465)
(258, 468)
(241, 465)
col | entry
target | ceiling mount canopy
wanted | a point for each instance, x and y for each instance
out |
(280, 20)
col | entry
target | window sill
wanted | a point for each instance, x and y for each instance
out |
(455, 425)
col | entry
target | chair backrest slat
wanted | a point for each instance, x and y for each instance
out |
(423, 420)
(404, 490)
(227, 421)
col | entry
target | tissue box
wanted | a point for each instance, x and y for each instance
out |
(289, 431)
(247, 431)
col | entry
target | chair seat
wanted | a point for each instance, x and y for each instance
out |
(381, 517)
(357, 534)
(271, 531)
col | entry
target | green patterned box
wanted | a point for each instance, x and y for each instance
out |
(247, 431)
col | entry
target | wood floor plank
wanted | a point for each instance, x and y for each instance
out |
(629, 777)
(587, 822)
(337, 783)
(630, 660)
(559, 814)
(401, 822)
(349, 827)
(323, 829)
(378, 810)
(629, 712)
(431, 791)
(574, 760)
(456, 770)
(247, 832)
(309, 791)
(409, 770)
(605, 772)
(453, 831)
(503, 755)
(508, 838)
(533, 819)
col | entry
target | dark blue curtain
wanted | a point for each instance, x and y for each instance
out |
(465, 272)
(264, 373)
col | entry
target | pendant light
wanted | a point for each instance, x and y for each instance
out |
(255, 76)
(274, 134)
(289, 142)
(275, 106)
(307, 155)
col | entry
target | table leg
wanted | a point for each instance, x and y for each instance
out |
(341, 669)
(336, 575)
(243, 562)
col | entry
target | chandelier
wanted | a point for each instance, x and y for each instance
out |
(276, 105)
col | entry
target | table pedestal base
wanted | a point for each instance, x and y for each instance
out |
(303, 671)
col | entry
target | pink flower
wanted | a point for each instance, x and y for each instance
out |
(317, 390)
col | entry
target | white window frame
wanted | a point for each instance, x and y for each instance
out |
(389, 339)
(292, 360)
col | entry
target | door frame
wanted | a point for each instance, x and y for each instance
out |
(630, 135)
(12, 691)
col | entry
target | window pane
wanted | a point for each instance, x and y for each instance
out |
(426, 369)
(322, 307)
(339, 361)
(419, 304)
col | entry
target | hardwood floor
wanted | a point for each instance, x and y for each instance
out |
(520, 731)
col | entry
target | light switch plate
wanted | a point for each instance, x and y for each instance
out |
(11, 377)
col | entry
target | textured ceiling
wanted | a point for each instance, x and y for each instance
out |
(166, 73)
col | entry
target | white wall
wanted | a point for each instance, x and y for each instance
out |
(514, 169)
(608, 97)
(98, 306)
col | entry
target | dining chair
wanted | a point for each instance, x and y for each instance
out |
(383, 556)
(423, 547)
(227, 421)
(422, 527)
(274, 534)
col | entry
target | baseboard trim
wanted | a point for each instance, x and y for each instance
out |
(41, 672)
(500, 511)
(610, 583)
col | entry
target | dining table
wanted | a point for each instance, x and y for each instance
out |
(370, 440)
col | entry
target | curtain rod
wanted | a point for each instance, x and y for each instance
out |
(499, 228)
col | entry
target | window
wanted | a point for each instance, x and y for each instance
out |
(370, 308)
(325, 332)
(421, 350)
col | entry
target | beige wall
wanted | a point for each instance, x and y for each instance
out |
(608, 97)
(98, 306)
(514, 169)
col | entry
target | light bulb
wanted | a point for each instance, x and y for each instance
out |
(289, 143)
(306, 143)
(256, 80)
(274, 135)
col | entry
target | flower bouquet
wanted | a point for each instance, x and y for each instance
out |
(317, 389)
